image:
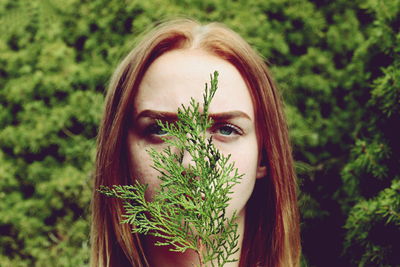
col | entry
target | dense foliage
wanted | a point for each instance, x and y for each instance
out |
(337, 63)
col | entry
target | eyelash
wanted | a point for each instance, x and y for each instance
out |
(152, 129)
(235, 130)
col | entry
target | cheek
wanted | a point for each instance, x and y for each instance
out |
(245, 157)
(140, 166)
(247, 165)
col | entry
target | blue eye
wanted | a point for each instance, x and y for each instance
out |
(226, 130)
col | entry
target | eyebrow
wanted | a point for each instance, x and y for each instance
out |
(170, 116)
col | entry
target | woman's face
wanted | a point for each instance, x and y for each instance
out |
(172, 80)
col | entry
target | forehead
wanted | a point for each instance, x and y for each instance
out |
(178, 75)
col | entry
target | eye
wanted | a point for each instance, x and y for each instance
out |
(155, 129)
(226, 131)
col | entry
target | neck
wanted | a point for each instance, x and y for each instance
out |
(158, 256)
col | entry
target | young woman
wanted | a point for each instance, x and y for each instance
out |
(170, 65)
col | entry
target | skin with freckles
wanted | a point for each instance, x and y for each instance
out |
(171, 80)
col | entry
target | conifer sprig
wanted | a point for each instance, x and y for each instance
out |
(188, 211)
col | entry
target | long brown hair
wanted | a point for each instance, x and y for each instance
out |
(271, 236)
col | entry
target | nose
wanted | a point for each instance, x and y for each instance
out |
(187, 164)
(187, 160)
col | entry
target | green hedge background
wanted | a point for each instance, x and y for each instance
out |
(336, 62)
